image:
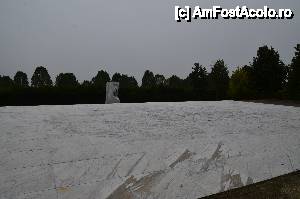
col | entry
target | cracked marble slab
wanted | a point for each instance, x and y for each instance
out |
(151, 150)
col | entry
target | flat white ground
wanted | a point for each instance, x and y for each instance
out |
(152, 150)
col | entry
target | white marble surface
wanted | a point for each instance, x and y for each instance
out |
(152, 150)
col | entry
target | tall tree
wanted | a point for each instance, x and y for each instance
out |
(294, 75)
(117, 77)
(148, 79)
(125, 81)
(198, 78)
(20, 79)
(6, 82)
(159, 80)
(86, 83)
(100, 79)
(41, 78)
(132, 83)
(219, 79)
(269, 72)
(240, 86)
(66, 80)
(175, 82)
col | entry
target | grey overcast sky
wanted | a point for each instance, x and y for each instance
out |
(84, 36)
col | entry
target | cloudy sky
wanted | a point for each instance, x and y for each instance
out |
(84, 36)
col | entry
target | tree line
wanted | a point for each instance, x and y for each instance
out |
(266, 77)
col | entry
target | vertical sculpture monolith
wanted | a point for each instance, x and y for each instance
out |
(112, 89)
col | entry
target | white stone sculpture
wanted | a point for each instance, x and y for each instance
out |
(112, 93)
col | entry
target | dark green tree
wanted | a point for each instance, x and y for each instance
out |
(132, 83)
(219, 80)
(100, 79)
(117, 77)
(6, 82)
(86, 83)
(174, 82)
(125, 81)
(41, 78)
(66, 80)
(269, 72)
(240, 86)
(20, 79)
(294, 75)
(148, 79)
(198, 78)
(159, 80)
